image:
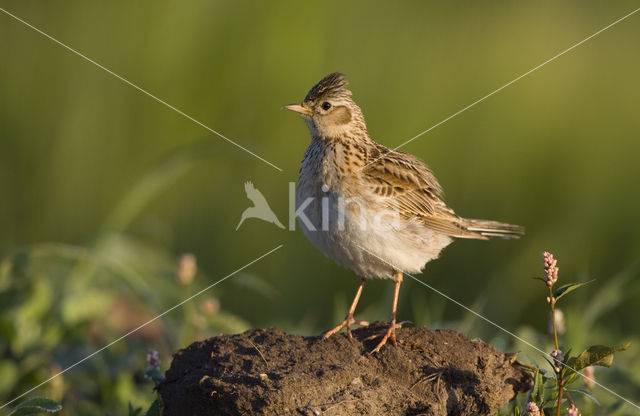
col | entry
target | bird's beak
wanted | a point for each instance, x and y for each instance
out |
(299, 108)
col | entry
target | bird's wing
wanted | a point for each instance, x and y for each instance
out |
(248, 187)
(405, 184)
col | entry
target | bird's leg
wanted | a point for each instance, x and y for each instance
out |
(348, 320)
(391, 331)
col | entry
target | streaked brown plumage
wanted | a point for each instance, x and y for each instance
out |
(343, 163)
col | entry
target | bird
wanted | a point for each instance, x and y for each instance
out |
(260, 208)
(377, 211)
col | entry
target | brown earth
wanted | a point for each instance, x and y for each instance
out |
(269, 372)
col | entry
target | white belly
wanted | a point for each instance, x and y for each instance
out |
(357, 234)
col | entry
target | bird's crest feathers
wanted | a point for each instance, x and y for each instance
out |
(333, 85)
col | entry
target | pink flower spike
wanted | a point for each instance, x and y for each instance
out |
(532, 409)
(573, 411)
(550, 268)
(152, 358)
(558, 358)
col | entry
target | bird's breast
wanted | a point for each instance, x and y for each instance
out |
(332, 164)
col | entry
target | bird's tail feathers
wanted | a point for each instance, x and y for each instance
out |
(494, 229)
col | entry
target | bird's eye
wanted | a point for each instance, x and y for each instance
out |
(326, 105)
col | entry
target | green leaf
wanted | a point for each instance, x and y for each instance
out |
(35, 406)
(134, 412)
(596, 355)
(615, 409)
(537, 392)
(570, 376)
(585, 394)
(155, 409)
(551, 364)
(543, 280)
(569, 287)
(155, 374)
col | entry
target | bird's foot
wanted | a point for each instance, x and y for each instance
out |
(389, 334)
(348, 321)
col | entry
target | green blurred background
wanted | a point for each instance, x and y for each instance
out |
(102, 188)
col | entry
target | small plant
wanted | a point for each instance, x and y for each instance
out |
(153, 371)
(154, 374)
(36, 406)
(551, 393)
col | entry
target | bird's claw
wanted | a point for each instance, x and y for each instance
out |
(390, 333)
(347, 322)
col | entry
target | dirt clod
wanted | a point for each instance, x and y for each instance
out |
(269, 372)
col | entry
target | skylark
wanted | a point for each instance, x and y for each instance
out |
(374, 210)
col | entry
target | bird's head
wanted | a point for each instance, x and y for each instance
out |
(329, 109)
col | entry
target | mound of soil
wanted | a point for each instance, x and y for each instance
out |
(269, 372)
